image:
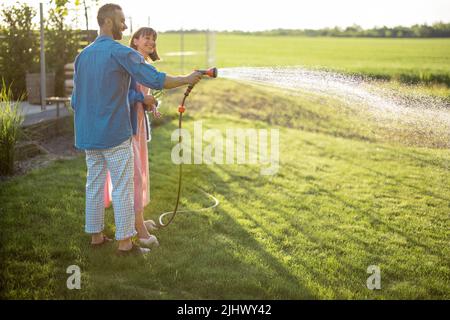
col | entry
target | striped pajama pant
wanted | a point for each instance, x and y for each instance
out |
(119, 161)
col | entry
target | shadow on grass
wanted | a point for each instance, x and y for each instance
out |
(370, 250)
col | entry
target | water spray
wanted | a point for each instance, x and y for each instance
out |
(424, 119)
(212, 73)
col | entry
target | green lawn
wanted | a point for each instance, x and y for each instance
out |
(406, 60)
(345, 197)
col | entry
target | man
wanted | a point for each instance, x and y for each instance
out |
(102, 122)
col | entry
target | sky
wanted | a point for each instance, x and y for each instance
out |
(252, 15)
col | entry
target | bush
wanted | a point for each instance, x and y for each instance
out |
(19, 46)
(10, 121)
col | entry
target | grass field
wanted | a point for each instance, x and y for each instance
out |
(340, 202)
(405, 60)
(346, 197)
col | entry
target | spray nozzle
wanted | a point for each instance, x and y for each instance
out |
(211, 72)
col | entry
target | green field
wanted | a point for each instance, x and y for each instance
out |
(406, 60)
(347, 195)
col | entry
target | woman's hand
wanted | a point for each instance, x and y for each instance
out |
(149, 102)
(156, 113)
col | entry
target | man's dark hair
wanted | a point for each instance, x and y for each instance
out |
(107, 11)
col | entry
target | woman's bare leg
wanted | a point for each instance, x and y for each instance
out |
(140, 226)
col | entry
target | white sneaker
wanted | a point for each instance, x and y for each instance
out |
(149, 242)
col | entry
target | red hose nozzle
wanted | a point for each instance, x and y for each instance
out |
(212, 72)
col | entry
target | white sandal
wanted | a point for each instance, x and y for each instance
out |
(135, 250)
(151, 225)
(152, 240)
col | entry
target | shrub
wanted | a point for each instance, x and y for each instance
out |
(19, 46)
(10, 121)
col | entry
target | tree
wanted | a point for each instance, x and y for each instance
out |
(62, 43)
(86, 7)
(19, 46)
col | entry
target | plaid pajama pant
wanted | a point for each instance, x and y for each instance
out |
(119, 161)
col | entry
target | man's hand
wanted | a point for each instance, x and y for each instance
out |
(175, 82)
(194, 77)
(149, 102)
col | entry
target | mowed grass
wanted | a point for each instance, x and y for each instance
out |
(343, 199)
(404, 60)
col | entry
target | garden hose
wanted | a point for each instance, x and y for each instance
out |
(212, 72)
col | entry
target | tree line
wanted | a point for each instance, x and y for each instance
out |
(436, 30)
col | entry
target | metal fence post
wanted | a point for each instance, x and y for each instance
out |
(42, 58)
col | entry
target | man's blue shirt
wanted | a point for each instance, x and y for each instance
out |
(100, 98)
(134, 96)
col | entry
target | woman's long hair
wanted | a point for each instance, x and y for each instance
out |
(145, 31)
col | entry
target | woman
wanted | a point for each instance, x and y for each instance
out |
(144, 41)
